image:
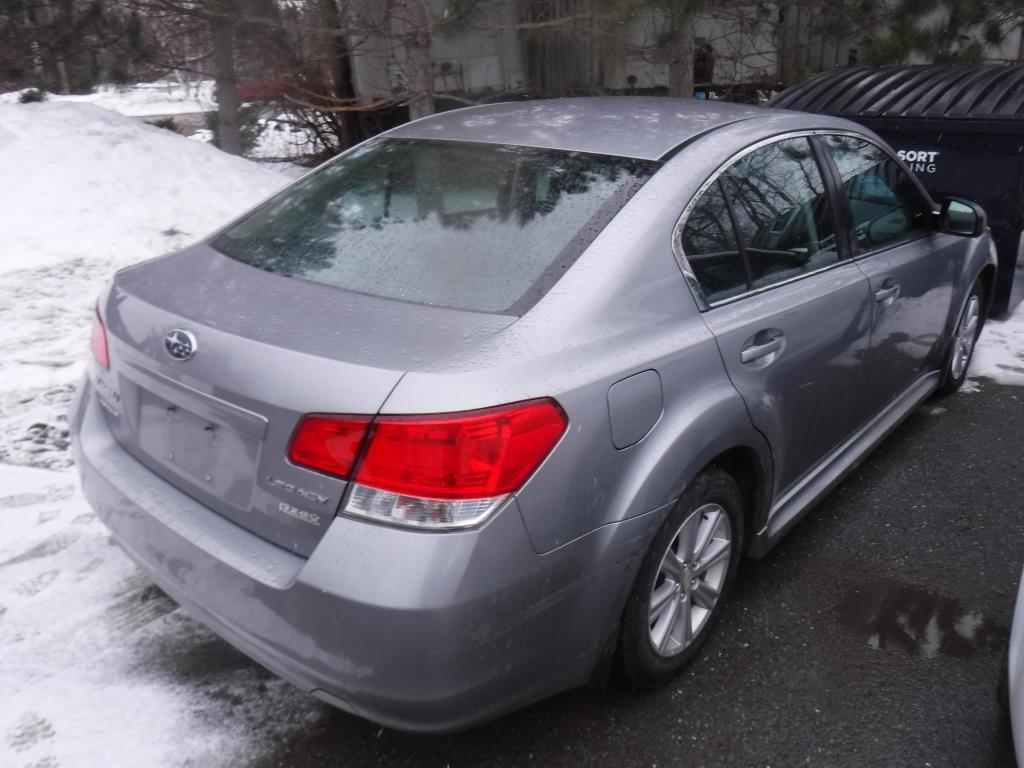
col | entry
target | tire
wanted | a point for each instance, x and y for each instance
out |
(961, 346)
(653, 642)
(1003, 686)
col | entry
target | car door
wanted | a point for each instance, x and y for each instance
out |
(790, 311)
(910, 266)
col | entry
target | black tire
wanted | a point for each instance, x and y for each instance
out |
(1003, 685)
(952, 379)
(639, 663)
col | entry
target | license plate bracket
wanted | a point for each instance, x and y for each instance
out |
(210, 455)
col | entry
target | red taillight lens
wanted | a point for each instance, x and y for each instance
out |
(472, 455)
(328, 443)
(99, 341)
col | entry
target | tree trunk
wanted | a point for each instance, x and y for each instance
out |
(34, 51)
(789, 37)
(419, 72)
(58, 56)
(341, 73)
(680, 66)
(222, 36)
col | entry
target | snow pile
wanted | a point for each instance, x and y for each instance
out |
(87, 182)
(1000, 351)
(85, 192)
(163, 97)
(99, 667)
(277, 138)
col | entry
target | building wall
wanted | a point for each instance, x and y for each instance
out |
(745, 45)
(742, 49)
(486, 60)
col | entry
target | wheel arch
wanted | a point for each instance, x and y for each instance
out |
(987, 277)
(748, 469)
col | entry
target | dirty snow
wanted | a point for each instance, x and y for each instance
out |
(102, 669)
(1000, 352)
(98, 667)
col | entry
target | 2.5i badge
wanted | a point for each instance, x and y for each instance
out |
(299, 514)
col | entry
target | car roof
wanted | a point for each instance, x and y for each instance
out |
(643, 127)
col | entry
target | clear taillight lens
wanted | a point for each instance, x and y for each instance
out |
(419, 512)
(439, 471)
(99, 341)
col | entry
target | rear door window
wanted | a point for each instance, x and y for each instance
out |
(766, 219)
(481, 227)
(782, 210)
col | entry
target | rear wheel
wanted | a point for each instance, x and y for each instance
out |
(682, 581)
(965, 335)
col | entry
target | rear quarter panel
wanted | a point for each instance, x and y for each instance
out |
(623, 308)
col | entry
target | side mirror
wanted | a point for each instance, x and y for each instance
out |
(962, 217)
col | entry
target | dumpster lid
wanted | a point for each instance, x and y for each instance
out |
(962, 91)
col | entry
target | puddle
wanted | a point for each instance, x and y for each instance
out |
(917, 621)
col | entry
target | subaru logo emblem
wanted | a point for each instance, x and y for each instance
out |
(180, 345)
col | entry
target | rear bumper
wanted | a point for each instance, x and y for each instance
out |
(419, 631)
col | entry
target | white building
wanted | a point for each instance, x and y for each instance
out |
(560, 47)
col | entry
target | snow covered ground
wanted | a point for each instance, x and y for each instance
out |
(1000, 352)
(164, 97)
(98, 667)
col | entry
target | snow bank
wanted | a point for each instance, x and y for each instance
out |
(277, 139)
(83, 181)
(141, 100)
(85, 192)
(99, 667)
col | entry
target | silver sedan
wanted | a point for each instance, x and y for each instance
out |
(497, 401)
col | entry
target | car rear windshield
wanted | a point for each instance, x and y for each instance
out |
(480, 227)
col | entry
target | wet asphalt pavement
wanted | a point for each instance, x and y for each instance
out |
(871, 636)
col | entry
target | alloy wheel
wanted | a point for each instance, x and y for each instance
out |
(966, 334)
(689, 580)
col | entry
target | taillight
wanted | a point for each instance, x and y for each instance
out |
(99, 341)
(442, 471)
(328, 443)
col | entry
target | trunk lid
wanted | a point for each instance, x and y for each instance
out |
(268, 349)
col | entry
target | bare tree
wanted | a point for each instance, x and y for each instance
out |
(222, 21)
(415, 18)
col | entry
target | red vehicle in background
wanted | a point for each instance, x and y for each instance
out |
(269, 89)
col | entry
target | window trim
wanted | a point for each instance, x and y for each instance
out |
(828, 174)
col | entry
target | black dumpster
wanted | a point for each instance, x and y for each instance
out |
(960, 128)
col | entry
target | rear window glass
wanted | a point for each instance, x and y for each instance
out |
(488, 228)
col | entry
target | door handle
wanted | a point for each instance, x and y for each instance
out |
(887, 294)
(758, 351)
